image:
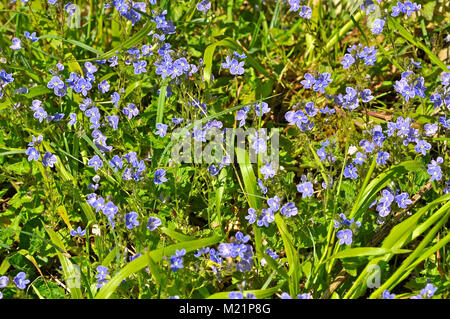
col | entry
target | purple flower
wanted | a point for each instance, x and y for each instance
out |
(21, 280)
(309, 81)
(289, 210)
(113, 120)
(49, 159)
(322, 82)
(428, 291)
(235, 295)
(306, 189)
(403, 200)
(387, 295)
(140, 67)
(261, 108)
(73, 119)
(422, 146)
(382, 157)
(306, 12)
(251, 217)
(377, 26)
(435, 170)
(159, 176)
(236, 67)
(153, 223)
(345, 236)
(95, 162)
(203, 6)
(78, 232)
(267, 171)
(161, 129)
(366, 95)
(4, 281)
(115, 98)
(32, 37)
(347, 61)
(350, 171)
(16, 44)
(430, 129)
(104, 86)
(32, 153)
(131, 220)
(359, 159)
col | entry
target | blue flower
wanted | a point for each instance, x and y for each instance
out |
(115, 98)
(113, 120)
(130, 110)
(350, 171)
(377, 26)
(176, 263)
(21, 280)
(422, 146)
(294, 5)
(306, 189)
(235, 295)
(251, 217)
(204, 6)
(428, 291)
(95, 162)
(261, 108)
(153, 223)
(345, 236)
(289, 210)
(73, 119)
(32, 153)
(322, 82)
(140, 67)
(78, 232)
(131, 220)
(430, 129)
(403, 200)
(4, 281)
(159, 176)
(267, 171)
(382, 157)
(236, 67)
(49, 159)
(435, 170)
(309, 81)
(32, 37)
(387, 295)
(161, 129)
(306, 12)
(104, 86)
(359, 159)
(16, 44)
(347, 61)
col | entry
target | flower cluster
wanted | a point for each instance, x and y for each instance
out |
(345, 236)
(102, 275)
(238, 250)
(176, 261)
(305, 11)
(406, 8)
(358, 53)
(235, 66)
(318, 83)
(109, 209)
(409, 86)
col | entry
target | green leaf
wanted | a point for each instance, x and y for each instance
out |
(292, 256)
(367, 251)
(411, 39)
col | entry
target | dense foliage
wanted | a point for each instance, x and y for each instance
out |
(353, 201)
